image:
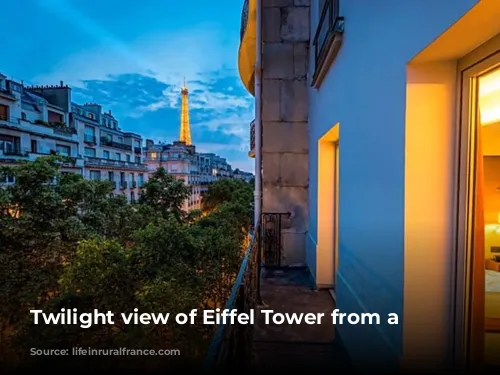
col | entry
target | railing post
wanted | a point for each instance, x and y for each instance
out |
(258, 238)
(241, 344)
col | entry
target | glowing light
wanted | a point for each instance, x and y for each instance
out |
(489, 98)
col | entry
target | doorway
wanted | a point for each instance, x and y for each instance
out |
(327, 210)
(479, 218)
(335, 213)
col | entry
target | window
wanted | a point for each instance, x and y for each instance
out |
(128, 158)
(89, 134)
(132, 197)
(34, 147)
(137, 159)
(132, 178)
(122, 176)
(111, 176)
(95, 175)
(120, 139)
(90, 116)
(63, 150)
(23, 116)
(329, 25)
(55, 117)
(4, 112)
(118, 156)
(105, 154)
(140, 178)
(137, 143)
(90, 152)
(9, 179)
(153, 155)
(9, 144)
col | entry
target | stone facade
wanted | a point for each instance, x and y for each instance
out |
(285, 120)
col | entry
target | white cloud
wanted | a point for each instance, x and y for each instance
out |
(196, 53)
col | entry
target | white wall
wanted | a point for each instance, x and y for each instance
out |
(365, 91)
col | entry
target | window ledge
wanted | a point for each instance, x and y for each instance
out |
(332, 49)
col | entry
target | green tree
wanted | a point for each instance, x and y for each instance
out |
(165, 194)
(227, 190)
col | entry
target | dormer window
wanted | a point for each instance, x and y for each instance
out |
(90, 116)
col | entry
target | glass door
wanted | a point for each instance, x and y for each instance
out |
(478, 273)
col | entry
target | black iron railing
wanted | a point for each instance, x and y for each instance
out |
(327, 26)
(231, 347)
(244, 19)
(252, 135)
(272, 244)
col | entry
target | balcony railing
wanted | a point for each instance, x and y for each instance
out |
(133, 184)
(122, 146)
(14, 152)
(123, 184)
(137, 150)
(244, 19)
(58, 128)
(98, 162)
(272, 244)
(252, 138)
(231, 347)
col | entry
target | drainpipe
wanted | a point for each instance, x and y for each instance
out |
(258, 144)
(258, 122)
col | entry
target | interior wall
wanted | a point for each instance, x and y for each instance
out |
(491, 170)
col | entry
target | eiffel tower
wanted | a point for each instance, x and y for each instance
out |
(185, 134)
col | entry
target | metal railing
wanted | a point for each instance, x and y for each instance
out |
(252, 136)
(328, 24)
(14, 151)
(105, 141)
(231, 347)
(272, 244)
(99, 162)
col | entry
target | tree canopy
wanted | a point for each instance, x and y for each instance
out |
(65, 242)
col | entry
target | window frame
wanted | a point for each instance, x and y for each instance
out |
(329, 14)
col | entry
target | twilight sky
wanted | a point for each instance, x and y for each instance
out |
(131, 57)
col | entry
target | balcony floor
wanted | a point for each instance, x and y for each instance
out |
(308, 347)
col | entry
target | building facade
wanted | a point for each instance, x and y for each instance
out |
(42, 120)
(109, 153)
(36, 121)
(241, 175)
(180, 161)
(392, 114)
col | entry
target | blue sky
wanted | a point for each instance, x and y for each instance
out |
(131, 57)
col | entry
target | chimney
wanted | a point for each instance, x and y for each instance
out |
(62, 84)
(110, 112)
(149, 143)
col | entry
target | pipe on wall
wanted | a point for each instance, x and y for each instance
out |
(258, 121)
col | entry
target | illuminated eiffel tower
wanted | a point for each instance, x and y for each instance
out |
(185, 134)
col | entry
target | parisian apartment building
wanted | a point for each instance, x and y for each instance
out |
(182, 161)
(43, 120)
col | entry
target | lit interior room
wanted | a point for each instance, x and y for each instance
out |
(488, 144)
